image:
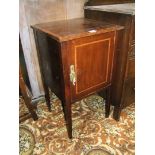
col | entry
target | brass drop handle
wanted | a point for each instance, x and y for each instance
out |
(72, 75)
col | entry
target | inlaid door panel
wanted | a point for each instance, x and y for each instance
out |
(92, 60)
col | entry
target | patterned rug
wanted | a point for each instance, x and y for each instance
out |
(93, 134)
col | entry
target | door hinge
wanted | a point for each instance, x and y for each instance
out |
(72, 75)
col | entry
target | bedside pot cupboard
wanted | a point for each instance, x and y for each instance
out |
(77, 58)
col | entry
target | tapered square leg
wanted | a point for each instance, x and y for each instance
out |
(108, 102)
(116, 113)
(47, 97)
(27, 96)
(31, 108)
(68, 118)
(34, 115)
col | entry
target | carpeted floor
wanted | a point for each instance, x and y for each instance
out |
(93, 134)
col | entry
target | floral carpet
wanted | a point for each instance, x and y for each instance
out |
(93, 134)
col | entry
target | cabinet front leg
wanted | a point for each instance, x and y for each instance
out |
(68, 118)
(108, 102)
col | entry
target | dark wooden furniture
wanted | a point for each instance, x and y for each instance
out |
(28, 99)
(27, 96)
(76, 58)
(123, 93)
(23, 65)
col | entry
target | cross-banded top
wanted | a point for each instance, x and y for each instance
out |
(65, 30)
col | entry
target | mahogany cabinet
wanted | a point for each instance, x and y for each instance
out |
(77, 57)
(119, 12)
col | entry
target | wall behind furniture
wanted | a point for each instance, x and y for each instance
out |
(37, 11)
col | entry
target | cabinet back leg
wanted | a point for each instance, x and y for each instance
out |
(47, 97)
(116, 113)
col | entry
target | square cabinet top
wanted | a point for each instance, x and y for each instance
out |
(65, 30)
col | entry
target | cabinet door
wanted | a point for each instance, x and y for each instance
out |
(91, 63)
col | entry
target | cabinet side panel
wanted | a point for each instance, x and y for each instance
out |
(50, 61)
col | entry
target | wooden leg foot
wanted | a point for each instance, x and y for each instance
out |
(108, 102)
(47, 98)
(34, 116)
(116, 113)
